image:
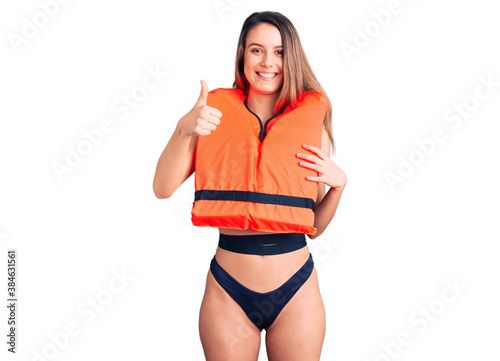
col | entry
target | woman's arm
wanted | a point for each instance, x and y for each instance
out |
(326, 209)
(326, 204)
(177, 162)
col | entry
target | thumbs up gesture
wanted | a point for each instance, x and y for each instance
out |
(202, 119)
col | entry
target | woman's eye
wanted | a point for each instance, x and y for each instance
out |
(279, 52)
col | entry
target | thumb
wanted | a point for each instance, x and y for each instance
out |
(202, 99)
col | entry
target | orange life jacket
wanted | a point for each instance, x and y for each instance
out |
(247, 174)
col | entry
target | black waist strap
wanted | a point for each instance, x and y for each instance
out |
(256, 197)
(263, 244)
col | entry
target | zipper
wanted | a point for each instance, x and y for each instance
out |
(263, 128)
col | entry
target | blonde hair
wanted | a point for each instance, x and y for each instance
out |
(298, 76)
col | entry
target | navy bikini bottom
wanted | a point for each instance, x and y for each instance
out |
(262, 308)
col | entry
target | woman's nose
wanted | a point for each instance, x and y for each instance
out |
(267, 60)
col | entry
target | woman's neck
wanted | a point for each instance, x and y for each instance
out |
(262, 104)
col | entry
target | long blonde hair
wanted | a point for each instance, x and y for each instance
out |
(298, 76)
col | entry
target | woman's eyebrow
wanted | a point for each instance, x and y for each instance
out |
(277, 46)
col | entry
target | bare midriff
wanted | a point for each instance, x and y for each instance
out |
(256, 272)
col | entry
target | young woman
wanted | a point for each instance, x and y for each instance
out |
(254, 181)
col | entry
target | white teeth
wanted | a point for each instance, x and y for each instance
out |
(269, 75)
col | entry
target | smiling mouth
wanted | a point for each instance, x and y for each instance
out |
(267, 75)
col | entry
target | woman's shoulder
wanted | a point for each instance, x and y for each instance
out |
(311, 97)
(315, 95)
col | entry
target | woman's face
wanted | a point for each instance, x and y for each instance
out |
(263, 60)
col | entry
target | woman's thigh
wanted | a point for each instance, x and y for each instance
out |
(298, 332)
(226, 333)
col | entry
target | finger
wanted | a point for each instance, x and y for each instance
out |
(202, 99)
(202, 131)
(313, 179)
(214, 111)
(208, 125)
(314, 149)
(211, 119)
(310, 166)
(312, 158)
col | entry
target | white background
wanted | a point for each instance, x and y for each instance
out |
(387, 252)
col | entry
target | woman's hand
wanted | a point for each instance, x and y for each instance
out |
(202, 119)
(330, 173)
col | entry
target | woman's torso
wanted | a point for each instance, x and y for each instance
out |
(260, 273)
